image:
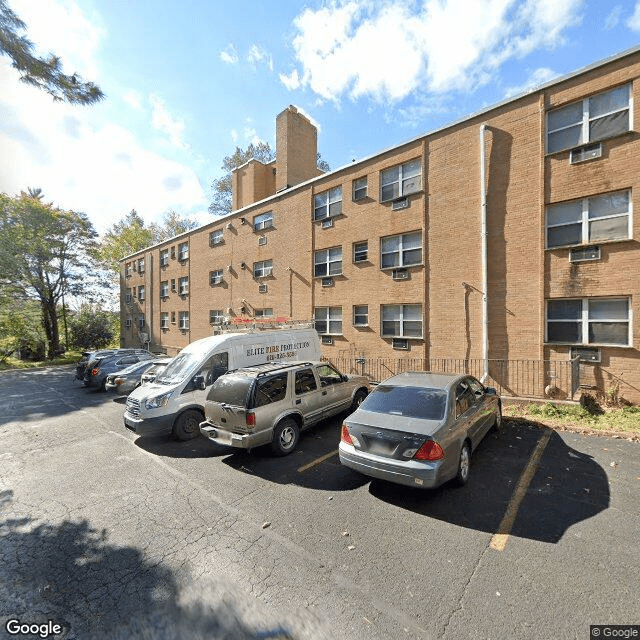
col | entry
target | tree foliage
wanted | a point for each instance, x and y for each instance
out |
(44, 73)
(173, 224)
(45, 254)
(92, 328)
(20, 325)
(221, 202)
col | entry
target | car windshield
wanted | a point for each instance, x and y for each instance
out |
(411, 402)
(181, 367)
(233, 390)
(135, 368)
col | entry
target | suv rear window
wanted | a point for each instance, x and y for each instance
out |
(231, 389)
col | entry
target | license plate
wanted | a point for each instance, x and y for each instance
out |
(382, 448)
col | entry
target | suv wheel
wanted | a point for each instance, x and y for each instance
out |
(187, 425)
(285, 437)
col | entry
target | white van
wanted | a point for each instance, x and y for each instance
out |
(174, 402)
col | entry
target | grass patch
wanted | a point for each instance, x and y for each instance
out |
(70, 357)
(624, 421)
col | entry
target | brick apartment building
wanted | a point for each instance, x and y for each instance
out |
(530, 201)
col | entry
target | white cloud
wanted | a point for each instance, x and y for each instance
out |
(162, 120)
(613, 18)
(133, 99)
(234, 135)
(390, 50)
(258, 54)
(538, 77)
(229, 55)
(634, 21)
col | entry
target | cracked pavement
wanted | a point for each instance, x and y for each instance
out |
(116, 537)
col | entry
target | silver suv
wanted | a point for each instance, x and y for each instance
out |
(272, 403)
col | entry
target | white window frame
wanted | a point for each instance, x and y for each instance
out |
(216, 316)
(183, 319)
(400, 251)
(183, 285)
(216, 276)
(164, 289)
(402, 313)
(584, 321)
(361, 314)
(141, 265)
(263, 269)
(264, 313)
(128, 270)
(141, 292)
(164, 320)
(127, 297)
(263, 221)
(127, 324)
(358, 191)
(183, 251)
(585, 220)
(585, 120)
(331, 262)
(164, 258)
(216, 237)
(332, 317)
(141, 322)
(407, 172)
(356, 252)
(327, 204)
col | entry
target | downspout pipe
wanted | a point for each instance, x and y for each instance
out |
(485, 254)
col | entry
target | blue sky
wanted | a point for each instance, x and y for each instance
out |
(187, 82)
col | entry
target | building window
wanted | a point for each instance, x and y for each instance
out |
(216, 237)
(328, 320)
(596, 219)
(360, 188)
(141, 265)
(216, 277)
(401, 180)
(164, 289)
(360, 315)
(127, 324)
(327, 262)
(183, 251)
(173, 317)
(263, 221)
(141, 293)
(587, 321)
(183, 284)
(402, 321)
(264, 313)
(164, 320)
(216, 316)
(401, 251)
(141, 322)
(164, 257)
(184, 320)
(262, 269)
(127, 270)
(127, 296)
(328, 204)
(599, 117)
(360, 251)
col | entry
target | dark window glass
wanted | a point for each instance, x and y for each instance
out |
(305, 381)
(412, 402)
(271, 390)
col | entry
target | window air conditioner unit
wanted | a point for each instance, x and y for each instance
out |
(327, 282)
(402, 344)
(262, 288)
(262, 240)
(587, 354)
(401, 203)
(326, 224)
(400, 274)
(327, 340)
(583, 254)
(582, 154)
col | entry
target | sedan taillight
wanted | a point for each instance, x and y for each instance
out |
(430, 450)
(251, 419)
(345, 436)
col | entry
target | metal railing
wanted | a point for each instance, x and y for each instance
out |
(559, 379)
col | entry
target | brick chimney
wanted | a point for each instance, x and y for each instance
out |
(296, 149)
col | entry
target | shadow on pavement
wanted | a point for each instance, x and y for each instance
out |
(568, 487)
(70, 574)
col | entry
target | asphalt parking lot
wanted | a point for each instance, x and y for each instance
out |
(109, 535)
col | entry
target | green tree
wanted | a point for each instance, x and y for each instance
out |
(45, 254)
(92, 328)
(222, 187)
(20, 325)
(44, 73)
(173, 224)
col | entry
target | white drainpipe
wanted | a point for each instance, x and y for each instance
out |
(485, 252)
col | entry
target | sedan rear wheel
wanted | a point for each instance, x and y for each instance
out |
(464, 465)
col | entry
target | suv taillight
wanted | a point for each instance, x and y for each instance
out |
(430, 450)
(251, 419)
(94, 372)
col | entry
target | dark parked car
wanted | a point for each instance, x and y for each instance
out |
(419, 429)
(125, 381)
(97, 370)
(87, 356)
